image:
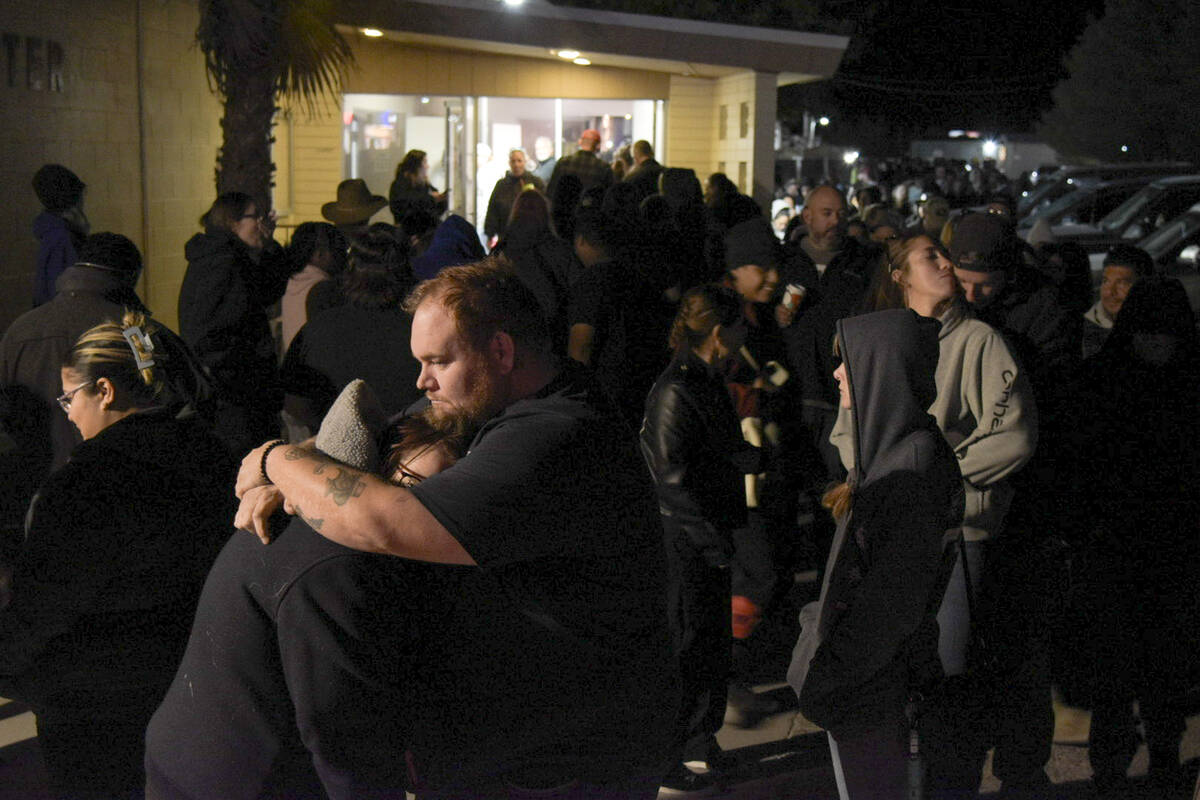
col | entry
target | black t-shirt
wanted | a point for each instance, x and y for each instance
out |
(559, 659)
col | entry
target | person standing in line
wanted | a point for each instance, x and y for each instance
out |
(504, 195)
(870, 641)
(236, 271)
(60, 228)
(693, 445)
(584, 164)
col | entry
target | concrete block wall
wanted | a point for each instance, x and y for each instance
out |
(91, 126)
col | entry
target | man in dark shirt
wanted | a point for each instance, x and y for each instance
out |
(505, 194)
(554, 669)
(646, 171)
(584, 164)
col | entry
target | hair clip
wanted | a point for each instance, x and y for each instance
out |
(141, 345)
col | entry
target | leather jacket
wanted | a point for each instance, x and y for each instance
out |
(693, 445)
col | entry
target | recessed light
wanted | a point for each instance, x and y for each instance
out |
(374, 33)
(568, 54)
(583, 62)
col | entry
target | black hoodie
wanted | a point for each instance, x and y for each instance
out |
(872, 635)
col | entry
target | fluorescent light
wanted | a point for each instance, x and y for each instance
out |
(583, 62)
(374, 33)
(513, 2)
(568, 54)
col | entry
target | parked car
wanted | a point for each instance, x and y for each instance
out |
(1135, 219)
(1091, 201)
(1067, 179)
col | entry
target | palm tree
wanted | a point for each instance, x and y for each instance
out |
(256, 53)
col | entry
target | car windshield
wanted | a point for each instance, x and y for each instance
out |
(1128, 211)
(1060, 195)
(1159, 243)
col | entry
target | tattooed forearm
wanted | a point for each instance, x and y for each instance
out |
(344, 485)
(313, 523)
(301, 453)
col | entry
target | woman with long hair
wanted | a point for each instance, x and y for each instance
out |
(543, 262)
(694, 448)
(984, 407)
(316, 256)
(870, 641)
(117, 545)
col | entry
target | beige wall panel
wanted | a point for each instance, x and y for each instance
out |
(92, 127)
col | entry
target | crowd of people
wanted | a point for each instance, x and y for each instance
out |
(512, 508)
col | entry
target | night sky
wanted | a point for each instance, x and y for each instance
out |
(920, 68)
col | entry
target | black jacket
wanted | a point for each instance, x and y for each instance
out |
(223, 306)
(503, 196)
(694, 447)
(872, 636)
(832, 296)
(644, 178)
(118, 543)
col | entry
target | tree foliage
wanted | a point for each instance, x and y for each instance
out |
(1134, 76)
(257, 52)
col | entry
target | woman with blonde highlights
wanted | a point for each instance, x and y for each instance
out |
(117, 545)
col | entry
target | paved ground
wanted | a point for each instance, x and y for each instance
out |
(784, 757)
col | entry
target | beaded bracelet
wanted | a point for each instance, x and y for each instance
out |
(262, 465)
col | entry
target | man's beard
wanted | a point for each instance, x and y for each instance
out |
(484, 401)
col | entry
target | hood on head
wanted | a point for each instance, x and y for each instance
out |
(890, 359)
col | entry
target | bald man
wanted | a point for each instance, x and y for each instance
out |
(584, 164)
(834, 269)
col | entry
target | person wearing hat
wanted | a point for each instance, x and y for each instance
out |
(98, 286)
(60, 228)
(354, 207)
(1011, 296)
(584, 164)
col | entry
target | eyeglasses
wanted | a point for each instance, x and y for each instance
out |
(408, 478)
(64, 400)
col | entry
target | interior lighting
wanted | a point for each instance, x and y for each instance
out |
(583, 62)
(824, 121)
(629, 116)
(513, 2)
(568, 54)
(374, 33)
(850, 156)
(424, 99)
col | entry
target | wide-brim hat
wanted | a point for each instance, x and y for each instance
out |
(354, 203)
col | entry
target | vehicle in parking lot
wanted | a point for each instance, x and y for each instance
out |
(1141, 215)
(1067, 179)
(1087, 205)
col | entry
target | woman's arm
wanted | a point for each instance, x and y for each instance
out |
(1000, 398)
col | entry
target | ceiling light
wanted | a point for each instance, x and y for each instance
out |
(513, 2)
(374, 33)
(568, 54)
(583, 62)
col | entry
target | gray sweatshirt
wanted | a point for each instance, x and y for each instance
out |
(985, 409)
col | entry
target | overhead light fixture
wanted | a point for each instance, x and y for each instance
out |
(850, 156)
(424, 99)
(513, 2)
(824, 121)
(568, 54)
(583, 62)
(1124, 148)
(374, 33)
(629, 116)
(989, 148)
